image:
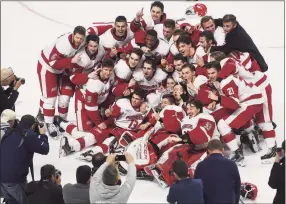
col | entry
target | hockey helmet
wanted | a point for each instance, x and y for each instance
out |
(248, 190)
(197, 9)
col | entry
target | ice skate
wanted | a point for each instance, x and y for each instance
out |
(65, 148)
(238, 157)
(86, 156)
(57, 121)
(250, 140)
(53, 130)
(159, 178)
(122, 170)
(268, 158)
(142, 175)
(40, 116)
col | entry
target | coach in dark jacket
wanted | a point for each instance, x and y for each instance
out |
(17, 149)
(277, 177)
(9, 96)
(238, 39)
(186, 189)
(220, 176)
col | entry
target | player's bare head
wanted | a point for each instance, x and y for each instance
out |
(149, 68)
(180, 92)
(97, 160)
(92, 43)
(179, 61)
(157, 10)
(194, 107)
(229, 22)
(207, 23)
(188, 72)
(180, 169)
(135, 57)
(168, 99)
(137, 97)
(170, 83)
(168, 28)
(78, 35)
(107, 66)
(215, 145)
(151, 39)
(177, 33)
(213, 69)
(110, 176)
(206, 39)
(184, 43)
(120, 26)
(217, 56)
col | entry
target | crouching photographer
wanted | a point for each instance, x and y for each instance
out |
(9, 96)
(104, 183)
(48, 190)
(17, 149)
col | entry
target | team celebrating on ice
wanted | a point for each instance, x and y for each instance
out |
(158, 88)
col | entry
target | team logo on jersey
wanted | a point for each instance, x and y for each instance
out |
(54, 56)
(208, 126)
(89, 98)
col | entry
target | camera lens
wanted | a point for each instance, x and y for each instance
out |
(23, 81)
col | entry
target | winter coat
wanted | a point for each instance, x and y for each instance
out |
(76, 193)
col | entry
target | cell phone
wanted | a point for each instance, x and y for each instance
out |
(120, 158)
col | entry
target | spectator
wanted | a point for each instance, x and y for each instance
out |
(238, 39)
(48, 190)
(17, 149)
(220, 176)
(79, 192)
(186, 190)
(277, 176)
(8, 118)
(97, 160)
(9, 96)
(104, 184)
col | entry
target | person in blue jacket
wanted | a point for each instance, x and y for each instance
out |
(220, 176)
(186, 189)
(17, 149)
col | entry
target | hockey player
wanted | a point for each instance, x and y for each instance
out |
(54, 59)
(264, 118)
(91, 57)
(241, 102)
(149, 78)
(179, 61)
(186, 48)
(165, 31)
(123, 71)
(114, 39)
(208, 23)
(89, 97)
(197, 128)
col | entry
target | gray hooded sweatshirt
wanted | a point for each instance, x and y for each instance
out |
(101, 193)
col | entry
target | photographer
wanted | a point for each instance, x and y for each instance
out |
(104, 184)
(17, 149)
(9, 96)
(79, 192)
(8, 118)
(277, 175)
(48, 190)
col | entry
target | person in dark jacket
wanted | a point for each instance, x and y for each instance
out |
(277, 177)
(17, 149)
(186, 189)
(48, 190)
(9, 96)
(79, 192)
(238, 39)
(220, 176)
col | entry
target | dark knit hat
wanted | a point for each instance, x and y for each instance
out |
(180, 168)
(27, 121)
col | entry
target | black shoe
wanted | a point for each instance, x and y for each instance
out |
(269, 155)
(40, 116)
(142, 175)
(122, 170)
(65, 148)
(238, 157)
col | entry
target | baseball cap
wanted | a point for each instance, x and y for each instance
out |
(6, 74)
(7, 115)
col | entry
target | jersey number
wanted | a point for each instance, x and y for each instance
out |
(133, 124)
(230, 91)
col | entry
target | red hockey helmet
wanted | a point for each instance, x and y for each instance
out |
(197, 9)
(248, 190)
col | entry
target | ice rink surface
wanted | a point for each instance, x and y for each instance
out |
(25, 32)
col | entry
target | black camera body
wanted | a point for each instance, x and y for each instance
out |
(58, 173)
(22, 79)
(37, 124)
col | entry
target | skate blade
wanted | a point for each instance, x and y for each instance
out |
(268, 161)
(156, 176)
(240, 163)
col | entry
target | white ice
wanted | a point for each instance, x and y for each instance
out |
(24, 34)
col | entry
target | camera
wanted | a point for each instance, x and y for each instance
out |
(120, 158)
(58, 173)
(37, 124)
(22, 79)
